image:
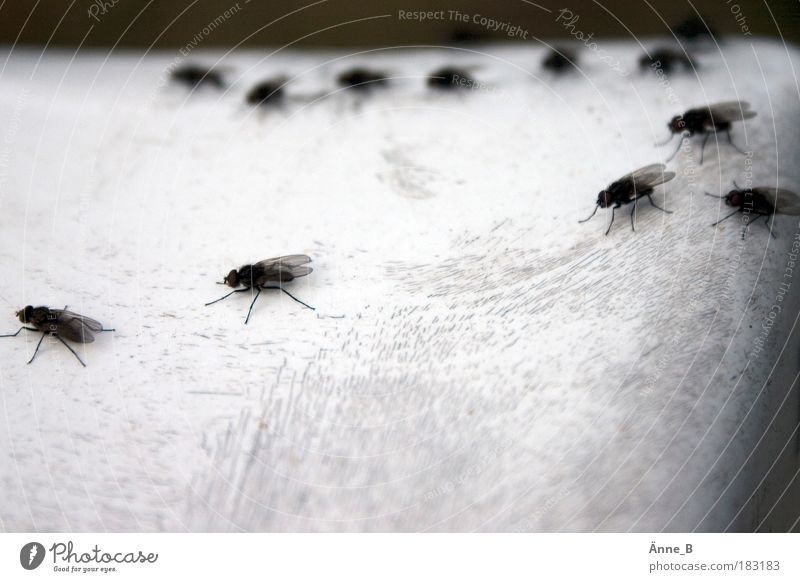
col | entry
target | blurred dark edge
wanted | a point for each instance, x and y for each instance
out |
(344, 23)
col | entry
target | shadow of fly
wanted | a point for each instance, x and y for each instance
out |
(631, 187)
(59, 323)
(267, 274)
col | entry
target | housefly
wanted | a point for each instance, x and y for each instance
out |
(59, 323)
(630, 188)
(267, 274)
(666, 59)
(560, 60)
(450, 78)
(760, 201)
(709, 119)
(195, 75)
(267, 92)
(361, 79)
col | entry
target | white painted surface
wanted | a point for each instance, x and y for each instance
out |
(477, 360)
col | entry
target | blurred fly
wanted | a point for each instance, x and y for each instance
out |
(195, 75)
(560, 60)
(761, 202)
(361, 79)
(450, 78)
(709, 119)
(630, 188)
(59, 323)
(267, 274)
(267, 92)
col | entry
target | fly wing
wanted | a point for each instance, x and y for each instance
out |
(286, 260)
(784, 201)
(283, 268)
(649, 176)
(75, 327)
(728, 111)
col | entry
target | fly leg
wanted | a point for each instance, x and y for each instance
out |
(74, 353)
(221, 298)
(747, 224)
(766, 223)
(703, 147)
(19, 330)
(613, 209)
(292, 296)
(730, 141)
(591, 215)
(726, 218)
(36, 351)
(650, 198)
(249, 311)
(633, 211)
(680, 144)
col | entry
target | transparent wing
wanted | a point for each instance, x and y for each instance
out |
(290, 261)
(283, 268)
(731, 111)
(784, 201)
(75, 327)
(649, 176)
(301, 271)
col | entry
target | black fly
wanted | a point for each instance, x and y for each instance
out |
(361, 79)
(267, 274)
(59, 323)
(760, 201)
(194, 76)
(450, 78)
(267, 92)
(630, 188)
(666, 59)
(560, 60)
(709, 119)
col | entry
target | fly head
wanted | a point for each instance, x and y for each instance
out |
(232, 278)
(25, 314)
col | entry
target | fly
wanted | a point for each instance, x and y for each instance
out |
(560, 60)
(630, 188)
(361, 79)
(709, 119)
(195, 75)
(267, 274)
(59, 323)
(760, 201)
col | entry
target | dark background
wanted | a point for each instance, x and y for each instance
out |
(172, 23)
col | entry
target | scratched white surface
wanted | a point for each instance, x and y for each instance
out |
(478, 360)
